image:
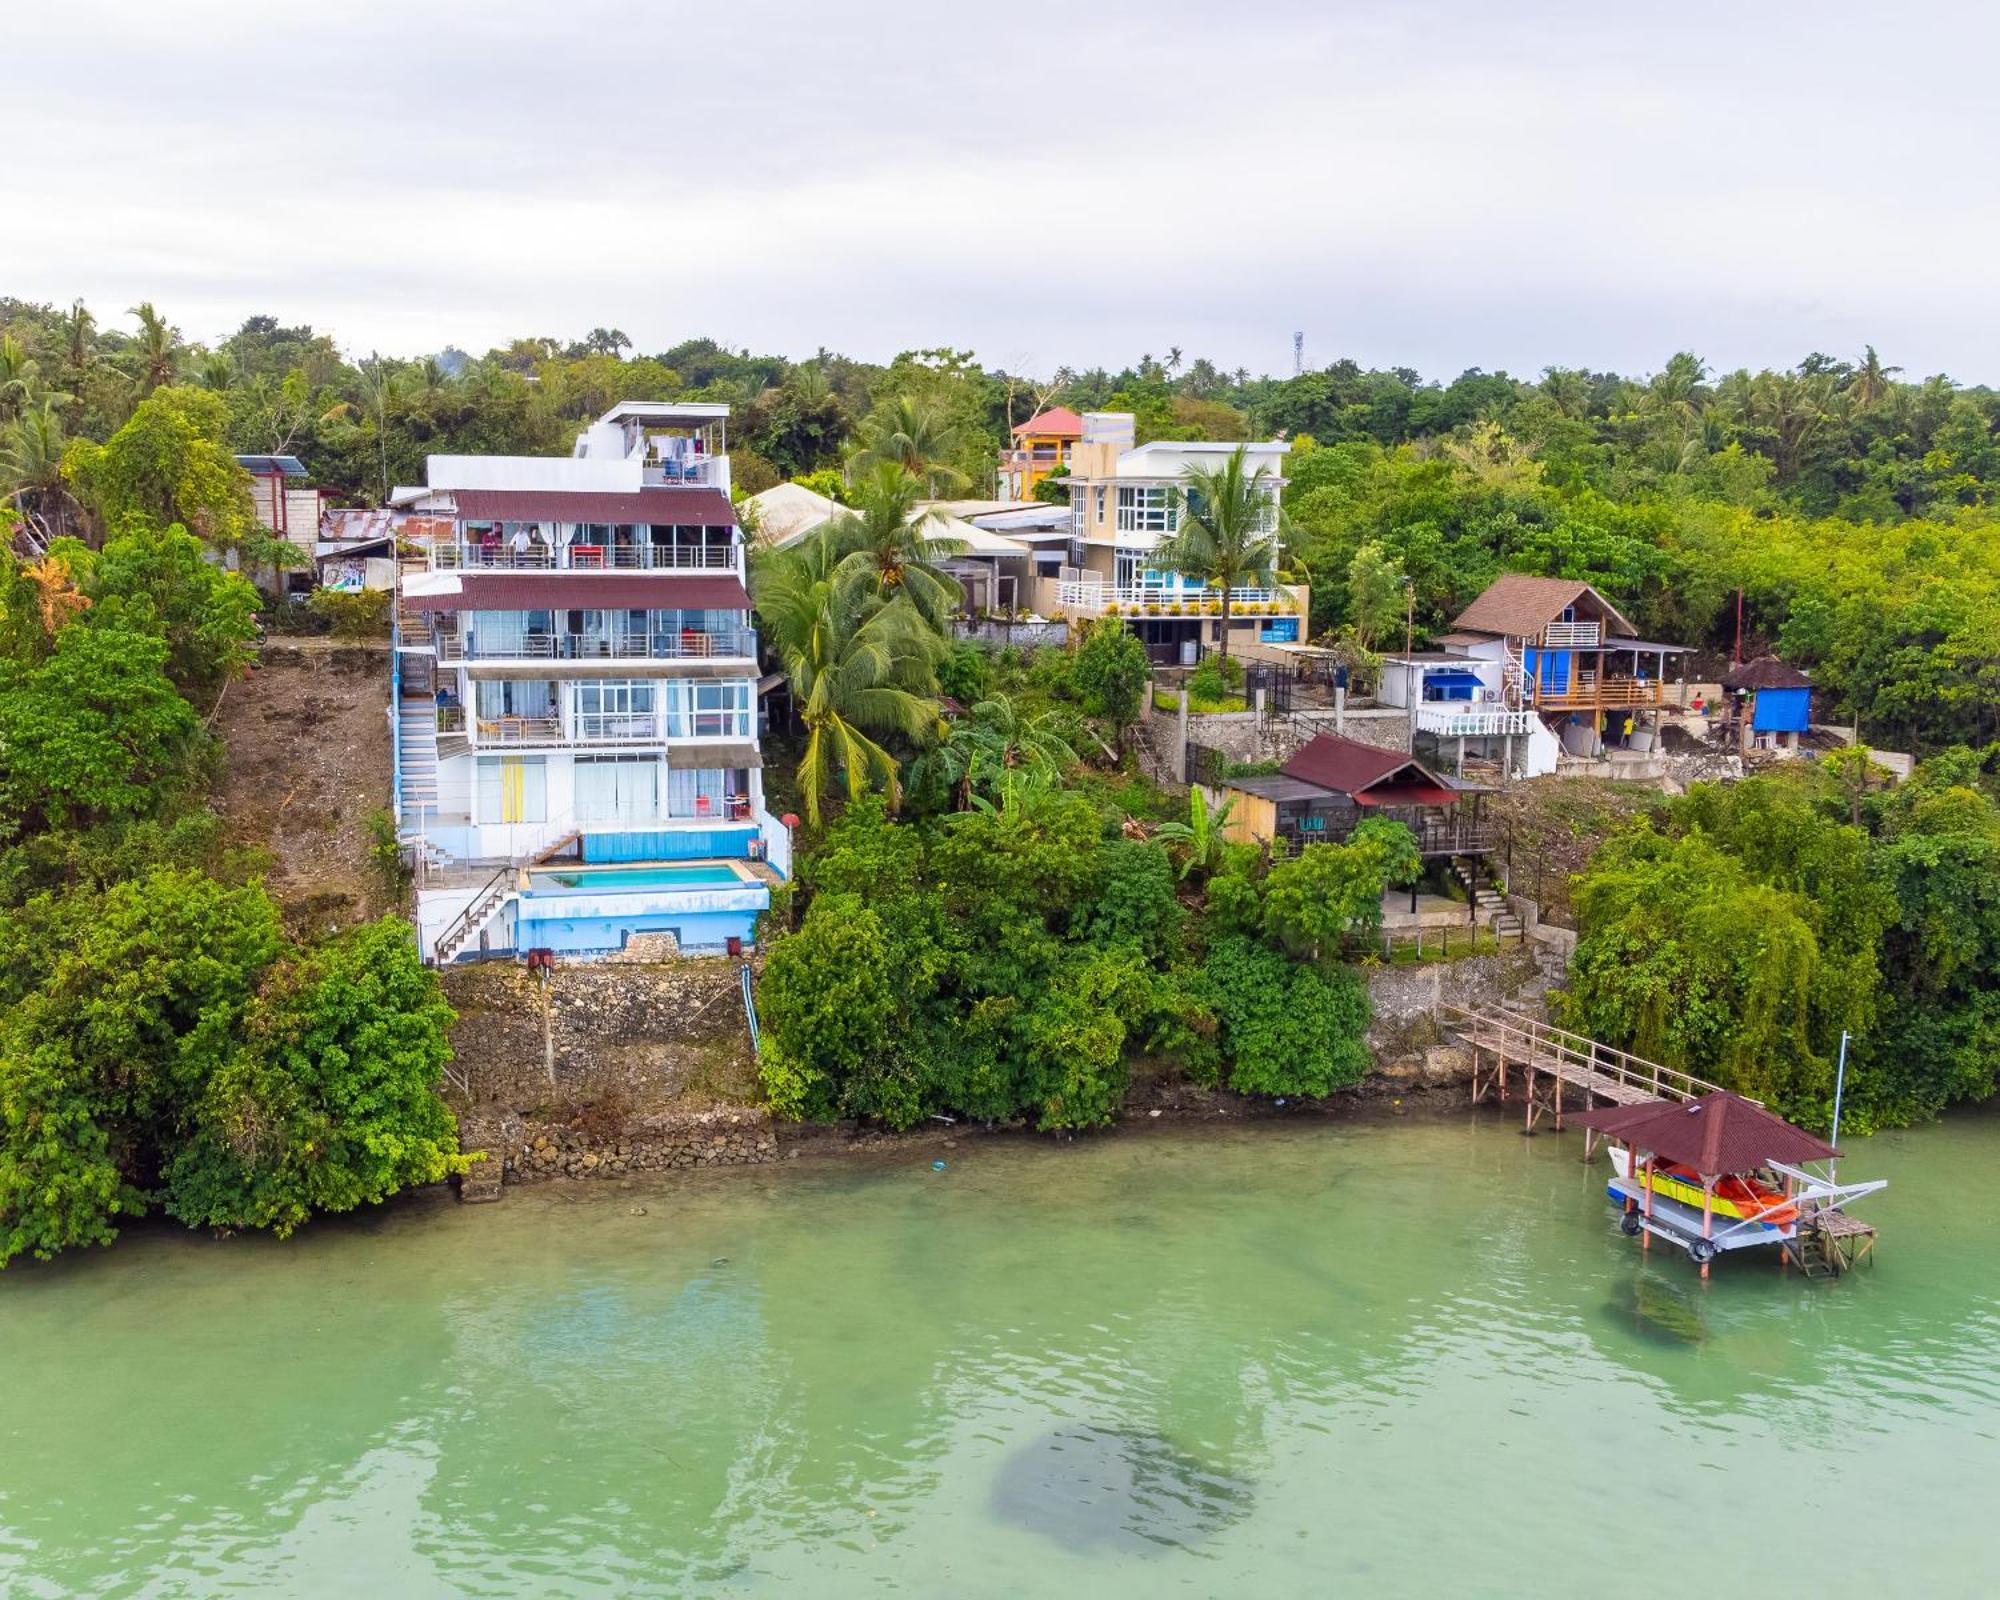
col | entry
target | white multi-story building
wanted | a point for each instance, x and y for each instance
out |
(1125, 501)
(576, 697)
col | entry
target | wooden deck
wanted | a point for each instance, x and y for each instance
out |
(1555, 1065)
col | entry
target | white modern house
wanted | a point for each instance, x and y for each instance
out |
(576, 707)
(1125, 500)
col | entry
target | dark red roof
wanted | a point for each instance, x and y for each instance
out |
(1058, 422)
(708, 507)
(1718, 1134)
(1348, 766)
(587, 591)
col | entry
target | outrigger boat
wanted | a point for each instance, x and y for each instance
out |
(1722, 1173)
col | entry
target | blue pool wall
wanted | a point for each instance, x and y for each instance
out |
(696, 930)
(601, 849)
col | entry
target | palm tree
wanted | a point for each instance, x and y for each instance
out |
(31, 452)
(21, 386)
(158, 348)
(884, 546)
(1870, 381)
(216, 371)
(916, 437)
(996, 739)
(859, 668)
(1228, 529)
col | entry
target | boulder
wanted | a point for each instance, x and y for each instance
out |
(1447, 1064)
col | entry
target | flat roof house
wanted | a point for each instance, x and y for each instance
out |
(576, 698)
(1125, 501)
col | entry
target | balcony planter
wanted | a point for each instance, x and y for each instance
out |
(1152, 608)
(1212, 608)
(1112, 609)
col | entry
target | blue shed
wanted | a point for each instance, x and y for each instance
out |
(1780, 696)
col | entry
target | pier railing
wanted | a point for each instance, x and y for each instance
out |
(1573, 1057)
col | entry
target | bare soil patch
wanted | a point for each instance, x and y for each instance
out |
(307, 736)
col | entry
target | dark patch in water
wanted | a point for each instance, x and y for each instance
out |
(1086, 1487)
(1657, 1314)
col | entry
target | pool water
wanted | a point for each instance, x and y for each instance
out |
(596, 878)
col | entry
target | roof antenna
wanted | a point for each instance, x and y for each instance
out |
(1298, 353)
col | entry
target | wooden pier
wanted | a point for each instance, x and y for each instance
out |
(1552, 1062)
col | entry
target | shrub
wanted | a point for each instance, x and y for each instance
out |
(352, 613)
(1286, 1028)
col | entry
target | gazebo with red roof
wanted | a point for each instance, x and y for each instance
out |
(1042, 447)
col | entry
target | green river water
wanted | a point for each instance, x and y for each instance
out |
(1381, 1358)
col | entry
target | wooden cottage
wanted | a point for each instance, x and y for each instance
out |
(1333, 783)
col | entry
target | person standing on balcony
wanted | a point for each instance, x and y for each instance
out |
(520, 544)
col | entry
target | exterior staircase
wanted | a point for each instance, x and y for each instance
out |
(484, 907)
(1488, 902)
(417, 753)
(413, 628)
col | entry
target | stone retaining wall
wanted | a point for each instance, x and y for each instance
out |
(531, 1150)
(1405, 999)
(1021, 635)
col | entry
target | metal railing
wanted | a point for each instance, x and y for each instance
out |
(468, 556)
(1471, 721)
(679, 645)
(699, 473)
(1195, 598)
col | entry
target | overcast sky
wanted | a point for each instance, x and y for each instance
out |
(1440, 185)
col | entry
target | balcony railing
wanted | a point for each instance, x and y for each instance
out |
(700, 472)
(1570, 635)
(473, 557)
(1434, 836)
(1142, 598)
(1471, 721)
(1585, 693)
(683, 645)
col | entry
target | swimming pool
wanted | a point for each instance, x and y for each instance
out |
(589, 880)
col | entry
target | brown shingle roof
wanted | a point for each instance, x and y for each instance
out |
(1766, 672)
(1718, 1134)
(565, 591)
(1520, 606)
(1348, 766)
(708, 507)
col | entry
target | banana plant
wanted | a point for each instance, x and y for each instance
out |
(1200, 838)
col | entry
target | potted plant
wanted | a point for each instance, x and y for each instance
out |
(1112, 609)
(1212, 608)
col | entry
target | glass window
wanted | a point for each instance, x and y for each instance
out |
(617, 788)
(512, 789)
(1146, 508)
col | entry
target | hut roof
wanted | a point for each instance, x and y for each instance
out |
(1520, 606)
(1719, 1133)
(1347, 766)
(1766, 672)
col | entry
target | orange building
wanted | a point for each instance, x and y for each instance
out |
(1042, 445)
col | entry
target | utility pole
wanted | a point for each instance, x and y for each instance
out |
(1736, 650)
(1839, 1083)
(1412, 689)
(1298, 353)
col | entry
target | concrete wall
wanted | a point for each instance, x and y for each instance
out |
(1021, 635)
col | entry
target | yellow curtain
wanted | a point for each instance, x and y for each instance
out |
(513, 791)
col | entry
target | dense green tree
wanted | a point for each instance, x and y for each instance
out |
(170, 463)
(1112, 673)
(95, 731)
(1287, 1028)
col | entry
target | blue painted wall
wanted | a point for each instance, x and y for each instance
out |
(696, 930)
(679, 845)
(1781, 710)
(1549, 668)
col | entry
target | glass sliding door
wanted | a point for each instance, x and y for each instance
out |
(617, 788)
